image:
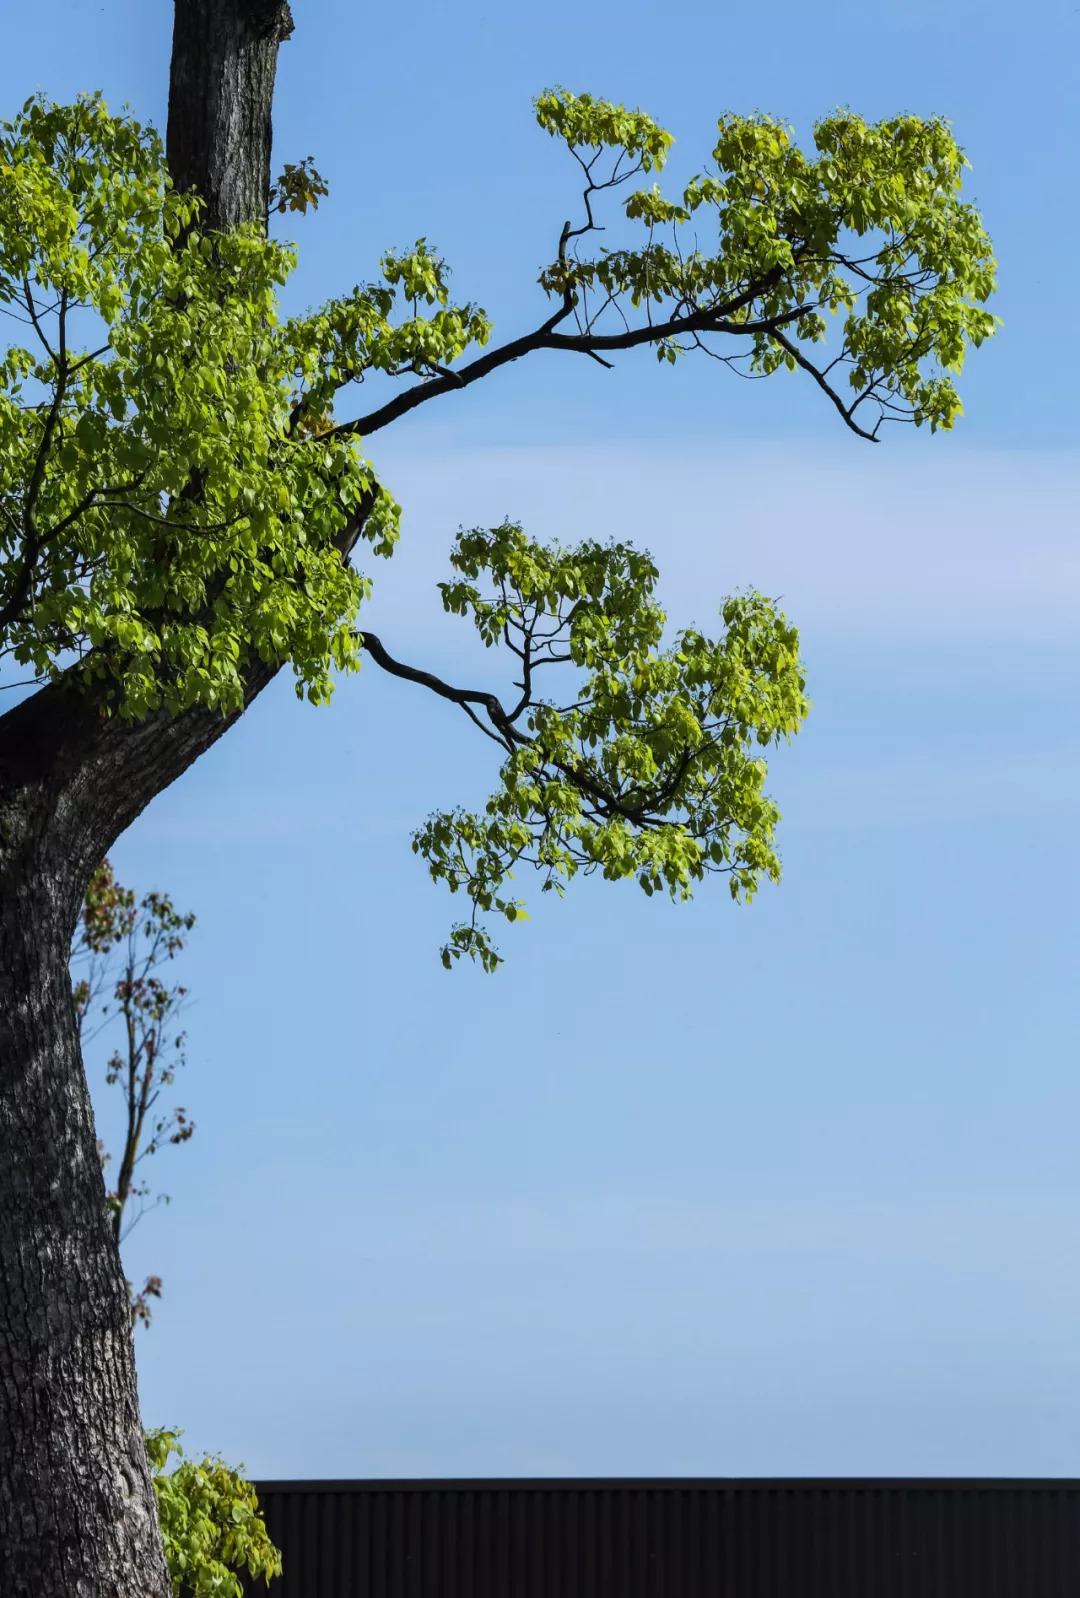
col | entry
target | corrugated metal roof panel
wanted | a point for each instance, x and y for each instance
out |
(693, 1538)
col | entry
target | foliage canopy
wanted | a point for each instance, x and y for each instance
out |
(180, 499)
(651, 768)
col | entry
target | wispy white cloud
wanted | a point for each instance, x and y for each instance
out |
(903, 541)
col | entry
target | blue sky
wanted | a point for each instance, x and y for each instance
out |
(791, 1189)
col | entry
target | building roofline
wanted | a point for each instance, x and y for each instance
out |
(672, 1484)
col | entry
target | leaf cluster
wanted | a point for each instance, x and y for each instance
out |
(772, 242)
(174, 506)
(299, 187)
(648, 765)
(210, 1523)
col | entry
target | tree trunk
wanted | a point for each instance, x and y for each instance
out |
(221, 87)
(77, 1516)
(77, 1511)
(76, 1505)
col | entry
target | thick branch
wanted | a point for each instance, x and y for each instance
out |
(545, 337)
(457, 696)
(509, 736)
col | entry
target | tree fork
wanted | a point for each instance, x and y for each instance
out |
(77, 1511)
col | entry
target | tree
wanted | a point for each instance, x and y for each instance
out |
(121, 948)
(182, 489)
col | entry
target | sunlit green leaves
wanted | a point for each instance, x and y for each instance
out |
(774, 242)
(585, 122)
(211, 1524)
(177, 499)
(299, 187)
(623, 756)
(176, 503)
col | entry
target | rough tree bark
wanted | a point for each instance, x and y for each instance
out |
(221, 86)
(77, 1516)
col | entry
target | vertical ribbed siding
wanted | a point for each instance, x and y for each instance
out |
(676, 1539)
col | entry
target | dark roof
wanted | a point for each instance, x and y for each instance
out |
(666, 1537)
